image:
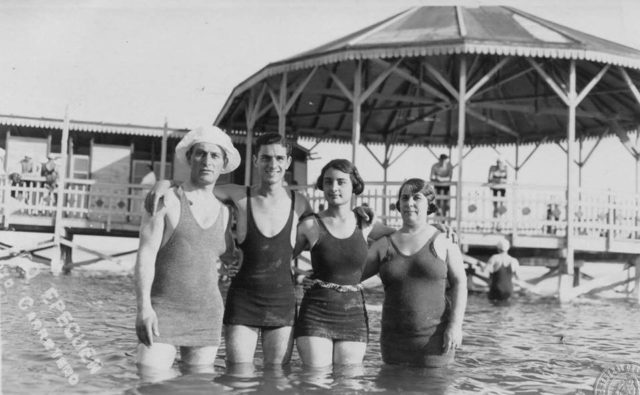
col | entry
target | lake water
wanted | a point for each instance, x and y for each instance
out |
(523, 347)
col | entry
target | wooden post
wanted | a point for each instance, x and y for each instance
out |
(355, 130)
(462, 101)
(282, 113)
(564, 283)
(58, 230)
(248, 163)
(163, 149)
(7, 184)
(637, 282)
(385, 169)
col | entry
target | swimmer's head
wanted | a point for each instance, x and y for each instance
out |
(503, 245)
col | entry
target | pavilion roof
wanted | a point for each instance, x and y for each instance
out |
(416, 52)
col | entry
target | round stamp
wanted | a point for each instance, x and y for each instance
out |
(620, 379)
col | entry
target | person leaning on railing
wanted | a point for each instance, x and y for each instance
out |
(497, 180)
(441, 177)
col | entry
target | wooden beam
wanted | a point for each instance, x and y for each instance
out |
(530, 109)
(299, 89)
(630, 84)
(391, 162)
(505, 80)
(491, 122)
(357, 108)
(586, 159)
(423, 85)
(487, 77)
(443, 81)
(462, 113)
(366, 146)
(521, 165)
(591, 84)
(552, 84)
(345, 91)
(563, 282)
(624, 139)
(376, 83)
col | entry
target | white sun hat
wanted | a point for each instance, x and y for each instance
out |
(208, 134)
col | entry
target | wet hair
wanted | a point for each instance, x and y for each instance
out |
(344, 166)
(273, 138)
(418, 185)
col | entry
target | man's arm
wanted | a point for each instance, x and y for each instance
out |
(151, 232)
(230, 193)
(433, 175)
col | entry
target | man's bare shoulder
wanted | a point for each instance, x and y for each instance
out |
(228, 192)
(302, 205)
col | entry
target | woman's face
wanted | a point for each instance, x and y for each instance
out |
(414, 206)
(337, 187)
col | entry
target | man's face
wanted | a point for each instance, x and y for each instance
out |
(206, 162)
(272, 162)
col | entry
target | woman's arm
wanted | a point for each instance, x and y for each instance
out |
(458, 281)
(306, 236)
(372, 265)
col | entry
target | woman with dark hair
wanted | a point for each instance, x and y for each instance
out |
(421, 325)
(332, 324)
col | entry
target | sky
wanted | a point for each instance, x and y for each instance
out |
(142, 62)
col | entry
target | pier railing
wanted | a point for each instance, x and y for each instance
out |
(525, 210)
(86, 203)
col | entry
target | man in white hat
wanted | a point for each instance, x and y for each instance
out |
(178, 300)
(261, 301)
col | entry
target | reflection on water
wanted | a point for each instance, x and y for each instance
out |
(525, 346)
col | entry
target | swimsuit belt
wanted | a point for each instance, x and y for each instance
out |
(337, 287)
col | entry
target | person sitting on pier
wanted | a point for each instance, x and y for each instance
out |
(503, 269)
(178, 299)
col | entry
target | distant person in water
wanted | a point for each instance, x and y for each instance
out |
(503, 269)
(176, 278)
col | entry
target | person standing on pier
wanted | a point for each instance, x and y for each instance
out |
(497, 180)
(425, 288)
(441, 177)
(176, 279)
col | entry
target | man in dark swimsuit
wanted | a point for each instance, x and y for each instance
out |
(261, 299)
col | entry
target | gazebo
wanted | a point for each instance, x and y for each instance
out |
(451, 76)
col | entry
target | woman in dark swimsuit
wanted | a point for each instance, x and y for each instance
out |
(332, 325)
(420, 325)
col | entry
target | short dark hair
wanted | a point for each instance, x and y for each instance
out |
(273, 138)
(418, 185)
(344, 166)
